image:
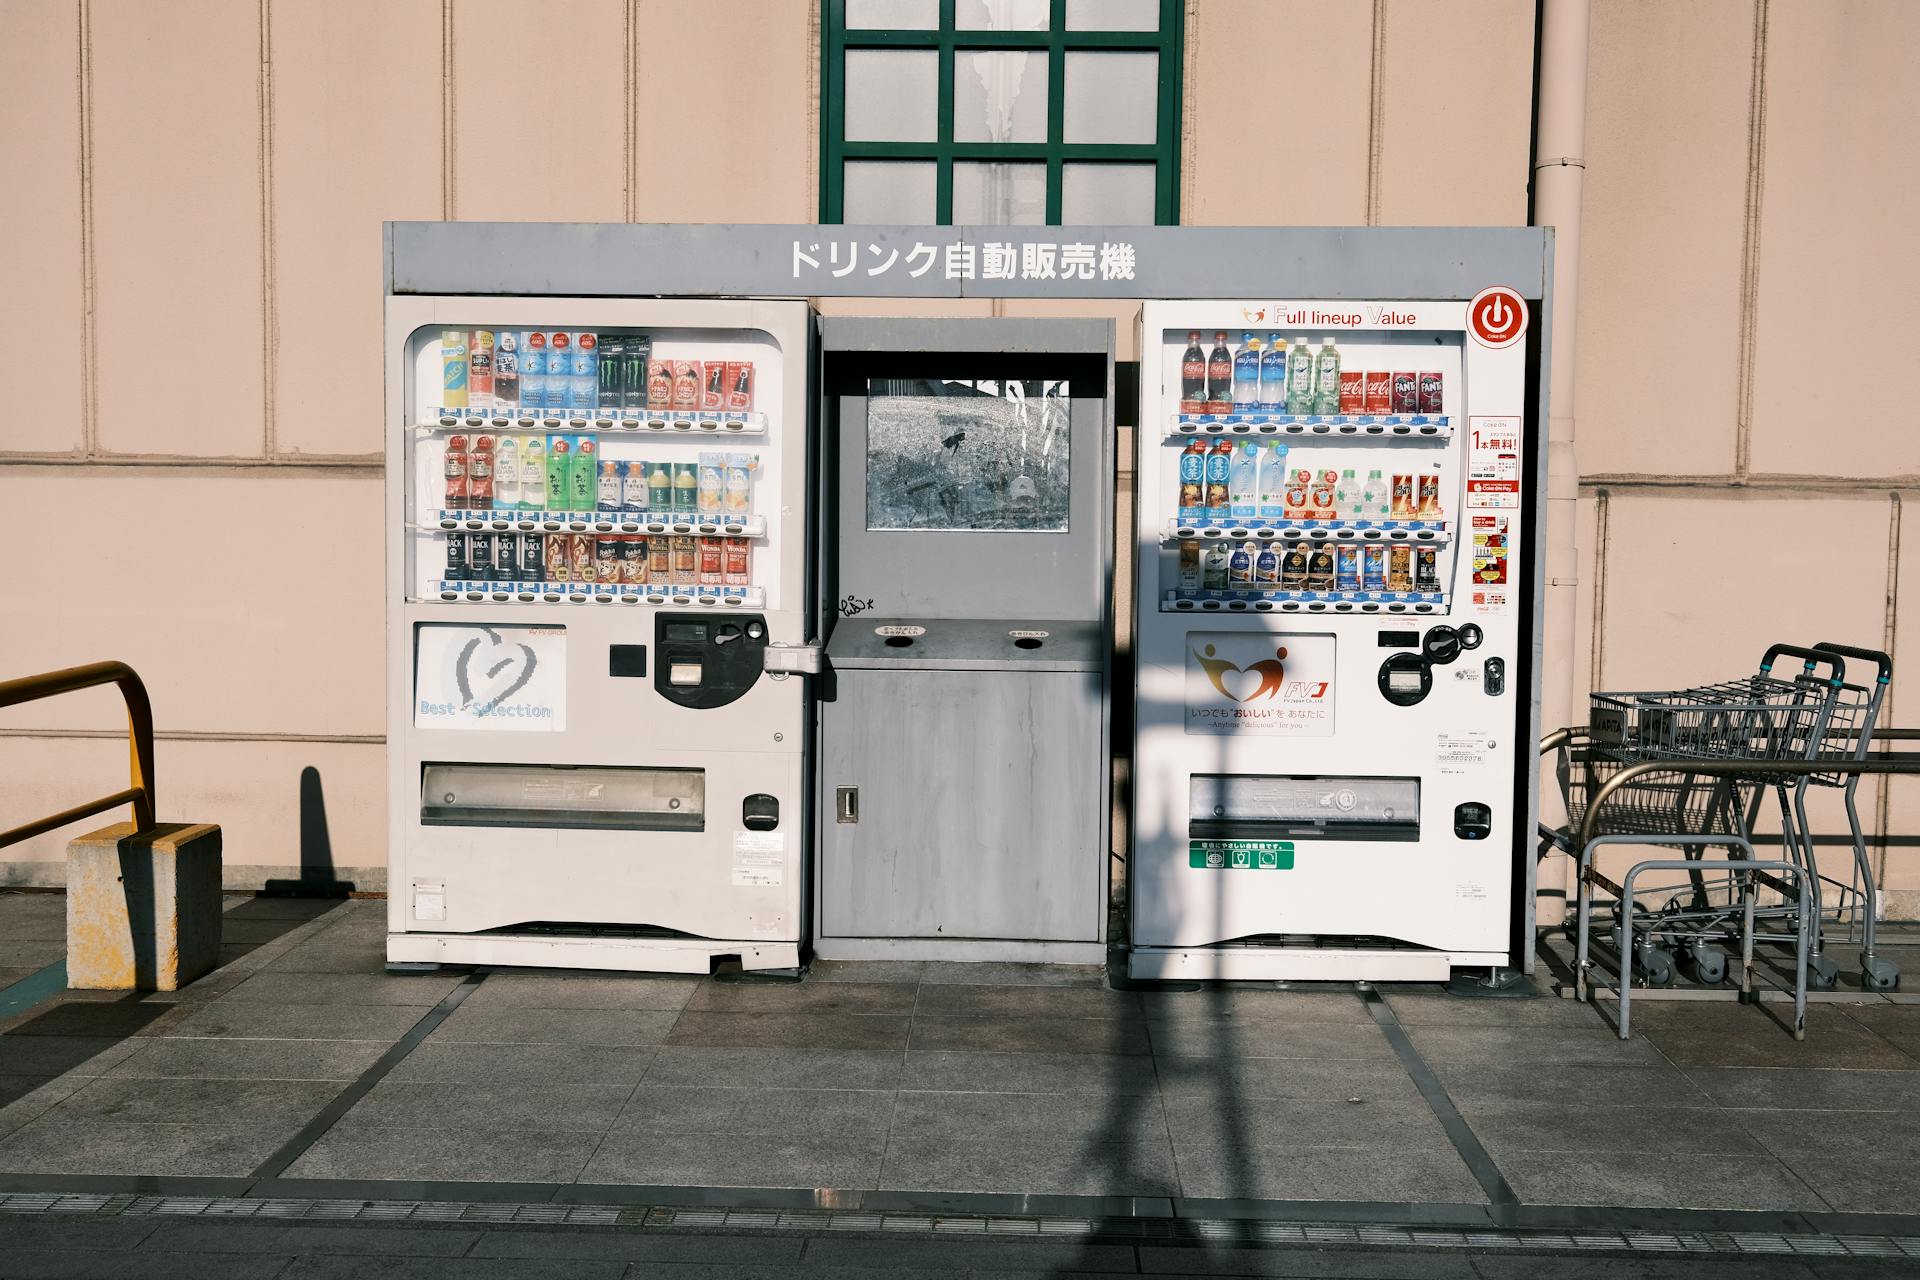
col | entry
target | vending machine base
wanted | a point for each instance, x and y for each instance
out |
(1301, 964)
(635, 955)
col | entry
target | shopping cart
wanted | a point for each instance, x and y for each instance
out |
(1742, 739)
(1814, 716)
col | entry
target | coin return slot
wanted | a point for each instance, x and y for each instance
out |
(899, 642)
(1026, 642)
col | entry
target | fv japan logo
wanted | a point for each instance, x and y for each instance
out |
(1266, 678)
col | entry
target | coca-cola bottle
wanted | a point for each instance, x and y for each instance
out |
(1193, 376)
(1220, 376)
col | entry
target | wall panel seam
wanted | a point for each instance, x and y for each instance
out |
(1376, 109)
(632, 101)
(814, 158)
(1189, 95)
(1750, 245)
(89, 337)
(449, 105)
(372, 466)
(203, 735)
(269, 346)
(1596, 658)
(1762, 481)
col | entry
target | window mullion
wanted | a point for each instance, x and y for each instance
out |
(1056, 104)
(943, 175)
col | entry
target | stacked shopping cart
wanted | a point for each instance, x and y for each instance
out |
(1690, 769)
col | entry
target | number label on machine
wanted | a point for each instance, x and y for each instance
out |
(1240, 855)
(498, 678)
(1260, 682)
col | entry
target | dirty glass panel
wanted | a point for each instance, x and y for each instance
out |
(968, 455)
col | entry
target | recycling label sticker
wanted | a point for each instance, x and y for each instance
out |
(1240, 855)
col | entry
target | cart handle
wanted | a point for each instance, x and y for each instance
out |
(1827, 658)
(1877, 658)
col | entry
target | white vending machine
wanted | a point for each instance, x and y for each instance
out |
(598, 622)
(1335, 636)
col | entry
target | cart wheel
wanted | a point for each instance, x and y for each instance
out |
(1822, 973)
(1656, 965)
(1879, 975)
(1707, 964)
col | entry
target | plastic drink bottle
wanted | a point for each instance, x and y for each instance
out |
(1300, 378)
(533, 473)
(1246, 373)
(1273, 375)
(1193, 478)
(1273, 483)
(1347, 504)
(1374, 498)
(1219, 473)
(1193, 376)
(1219, 375)
(1243, 481)
(1326, 379)
(506, 474)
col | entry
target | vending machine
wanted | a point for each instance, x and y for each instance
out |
(598, 609)
(1336, 634)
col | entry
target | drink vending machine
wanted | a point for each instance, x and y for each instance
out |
(598, 604)
(1335, 628)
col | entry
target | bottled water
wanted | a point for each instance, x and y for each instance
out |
(1273, 482)
(1346, 497)
(1326, 379)
(1246, 373)
(1375, 497)
(1273, 375)
(1300, 378)
(1243, 487)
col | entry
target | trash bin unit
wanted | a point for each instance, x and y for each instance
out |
(967, 550)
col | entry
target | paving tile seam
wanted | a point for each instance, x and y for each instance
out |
(1466, 1144)
(317, 1128)
(1766, 1155)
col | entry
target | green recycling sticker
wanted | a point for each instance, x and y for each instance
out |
(1240, 855)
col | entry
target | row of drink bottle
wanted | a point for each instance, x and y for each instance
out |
(630, 559)
(1301, 566)
(1249, 480)
(1270, 377)
(567, 473)
(583, 372)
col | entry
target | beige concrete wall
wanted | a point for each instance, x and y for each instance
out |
(191, 270)
(1745, 193)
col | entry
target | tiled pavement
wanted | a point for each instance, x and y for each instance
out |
(943, 1078)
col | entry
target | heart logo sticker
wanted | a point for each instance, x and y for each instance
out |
(491, 670)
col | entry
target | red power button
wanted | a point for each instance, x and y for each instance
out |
(1497, 317)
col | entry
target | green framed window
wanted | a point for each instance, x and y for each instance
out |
(1000, 111)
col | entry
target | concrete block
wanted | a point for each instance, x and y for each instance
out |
(143, 908)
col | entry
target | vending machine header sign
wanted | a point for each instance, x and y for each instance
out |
(813, 260)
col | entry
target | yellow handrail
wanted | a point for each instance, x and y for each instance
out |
(139, 740)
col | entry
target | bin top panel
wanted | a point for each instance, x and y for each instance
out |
(966, 644)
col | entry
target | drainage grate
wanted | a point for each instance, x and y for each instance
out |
(1196, 1229)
